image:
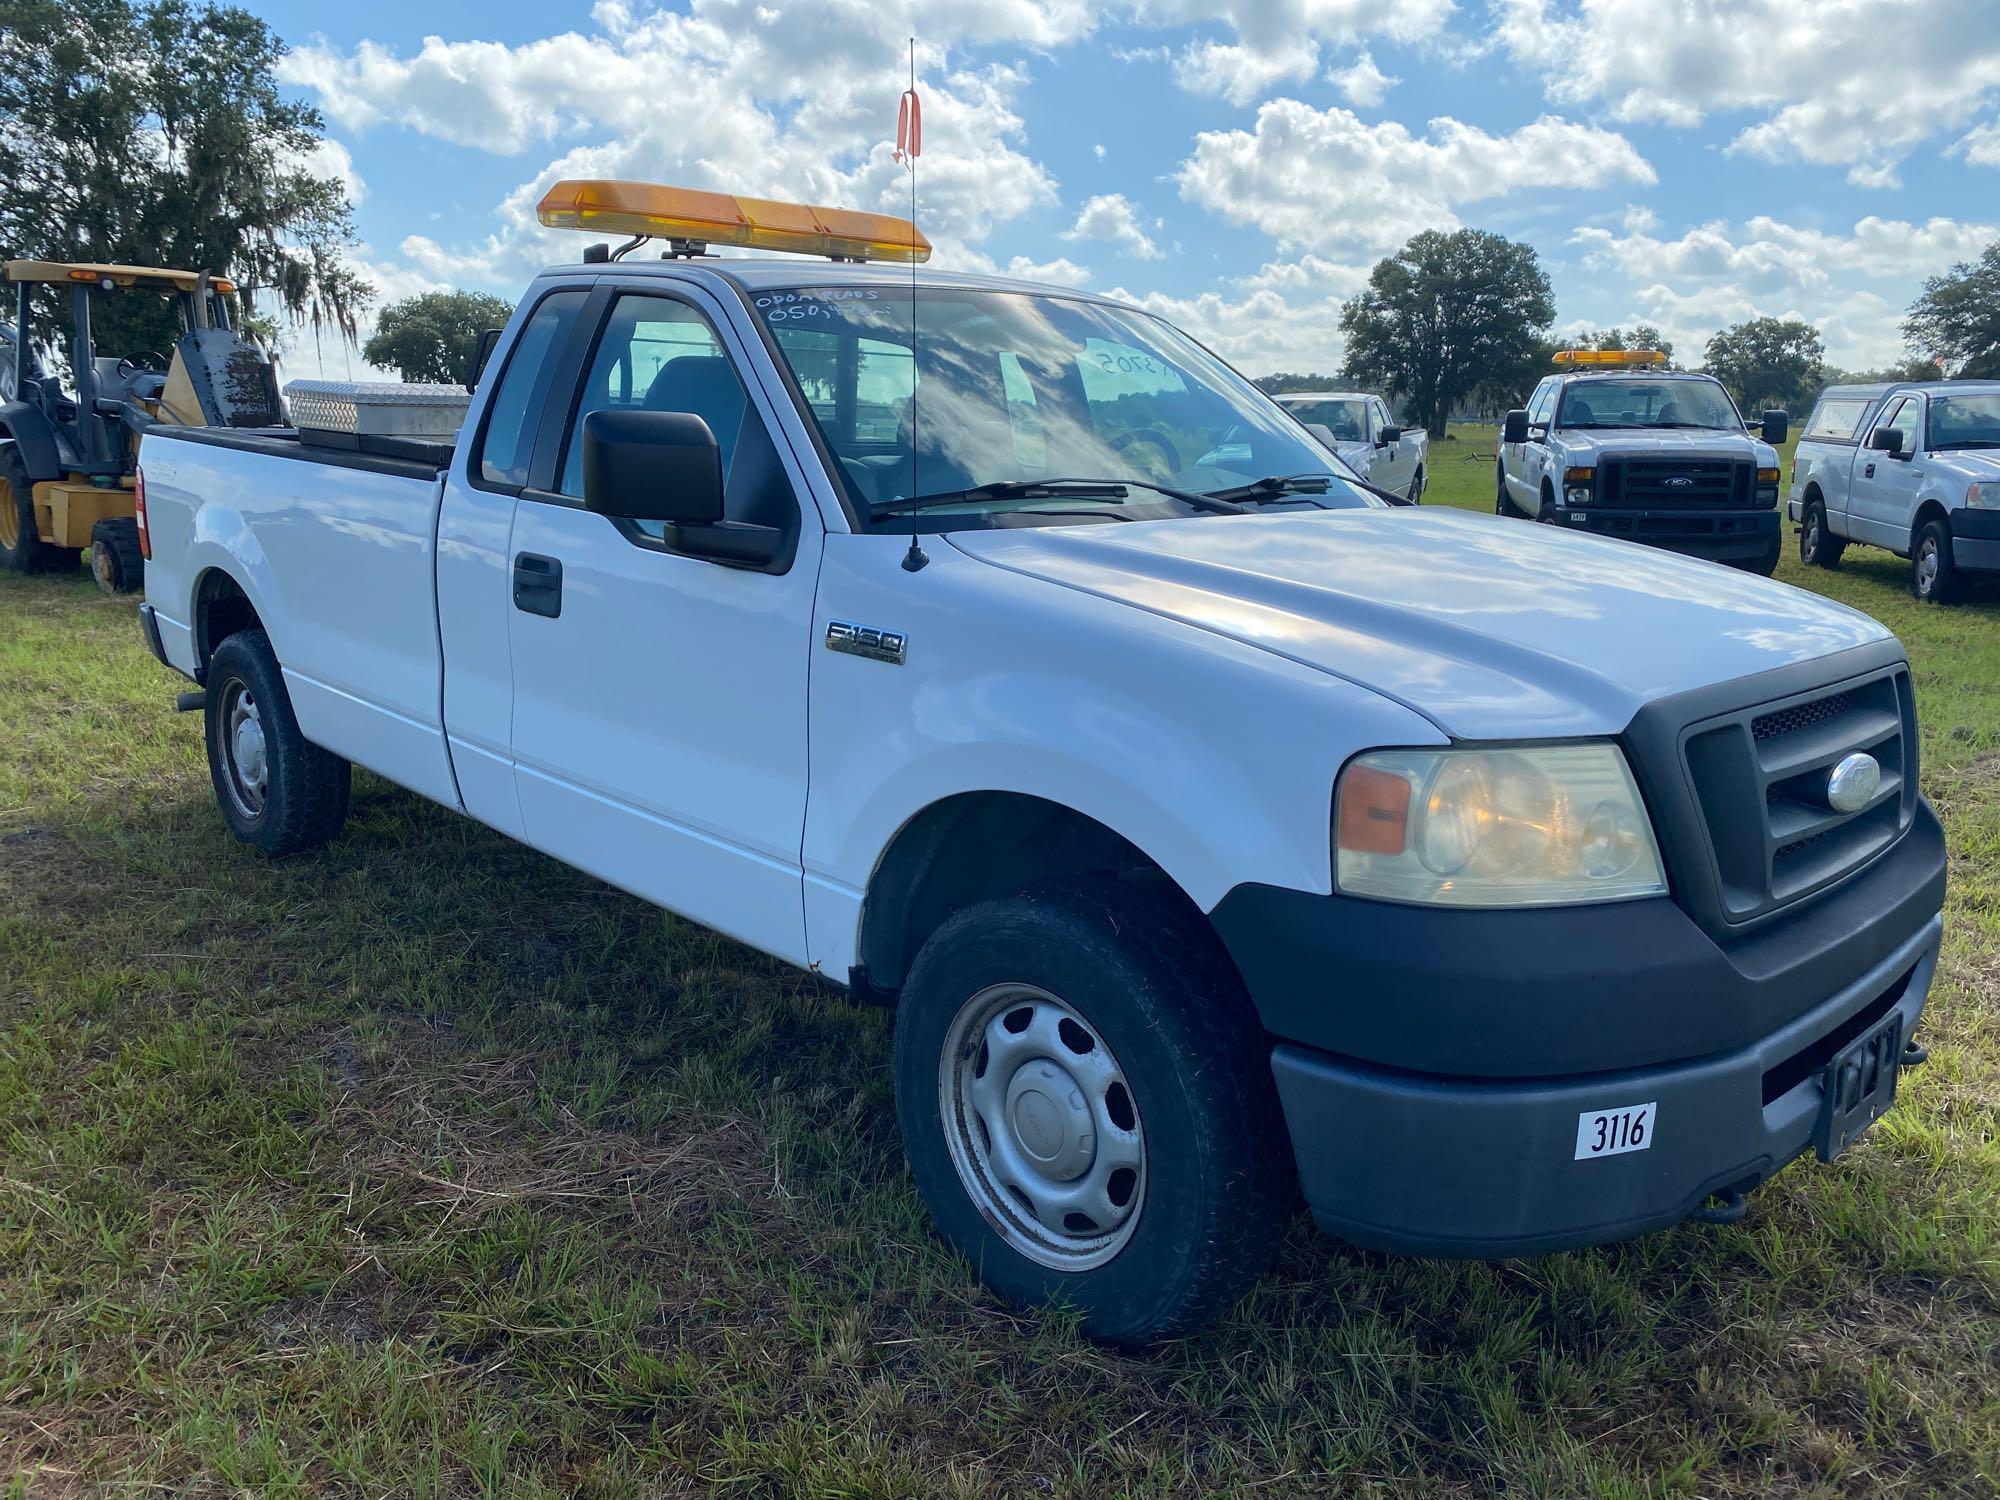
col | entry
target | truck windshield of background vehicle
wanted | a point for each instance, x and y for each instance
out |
(1965, 421)
(1013, 388)
(1346, 420)
(1649, 403)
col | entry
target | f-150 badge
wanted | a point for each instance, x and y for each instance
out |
(865, 640)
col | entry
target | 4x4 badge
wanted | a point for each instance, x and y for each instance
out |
(866, 640)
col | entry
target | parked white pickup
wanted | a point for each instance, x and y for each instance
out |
(1913, 468)
(1359, 428)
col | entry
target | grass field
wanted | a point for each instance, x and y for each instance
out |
(425, 1165)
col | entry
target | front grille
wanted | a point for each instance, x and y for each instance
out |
(1760, 777)
(1676, 483)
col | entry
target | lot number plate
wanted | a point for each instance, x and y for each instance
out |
(1612, 1132)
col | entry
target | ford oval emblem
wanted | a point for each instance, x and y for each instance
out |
(1853, 783)
(1678, 482)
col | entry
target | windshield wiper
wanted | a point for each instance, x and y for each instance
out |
(1970, 443)
(1271, 486)
(1005, 489)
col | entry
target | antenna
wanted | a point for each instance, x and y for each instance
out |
(909, 146)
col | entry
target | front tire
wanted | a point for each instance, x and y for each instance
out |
(279, 792)
(1818, 547)
(115, 560)
(1766, 563)
(1934, 578)
(1502, 505)
(1086, 1098)
(22, 549)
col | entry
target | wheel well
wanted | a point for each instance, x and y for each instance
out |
(1930, 510)
(977, 846)
(1813, 495)
(221, 608)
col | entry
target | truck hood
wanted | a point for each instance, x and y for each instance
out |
(1976, 464)
(1583, 444)
(1490, 628)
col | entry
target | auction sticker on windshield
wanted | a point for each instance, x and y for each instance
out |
(1612, 1132)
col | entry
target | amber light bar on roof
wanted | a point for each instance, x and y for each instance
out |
(1610, 357)
(672, 213)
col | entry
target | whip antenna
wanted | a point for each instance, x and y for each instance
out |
(909, 146)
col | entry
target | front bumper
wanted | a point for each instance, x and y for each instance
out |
(1432, 1062)
(1720, 535)
(1975, 540)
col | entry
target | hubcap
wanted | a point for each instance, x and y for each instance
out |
(245, 755)
(1927, 566)
(1812, 535)
(1042, 1127)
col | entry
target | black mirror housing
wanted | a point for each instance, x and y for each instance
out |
(1387, 436)
(1516, 430)
(1886, 440)
(652, 466)
(1777, 426)
(481, 353)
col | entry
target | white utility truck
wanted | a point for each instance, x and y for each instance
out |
(1216, 829)
(1616, 445)
(1914, 468)
(1359, 428)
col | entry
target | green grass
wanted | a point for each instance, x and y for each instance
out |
(426, 1165)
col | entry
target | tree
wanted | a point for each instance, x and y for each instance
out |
(1445, 318)
(153, 131)
(1277, 385)
(1956, 320)
(430, 337)
(1769, 362)
(1643, 336)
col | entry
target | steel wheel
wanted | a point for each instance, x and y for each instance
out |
(1042, 1127)
(10, 518)
(104, 567)
(245, 754)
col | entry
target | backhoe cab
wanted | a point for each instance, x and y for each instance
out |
(67, 460)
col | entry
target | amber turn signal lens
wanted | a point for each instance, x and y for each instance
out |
(1374, 814)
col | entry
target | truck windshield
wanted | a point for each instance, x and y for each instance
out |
(1965, 421)
(1346, 420)
(1009, 392)
(1649, 403)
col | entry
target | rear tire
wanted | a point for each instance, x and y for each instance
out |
(1934, 578)
(1416, 491)
(115, 560)
(1093, 1025)
(279, 792)
(22, 549)
(1818, 547)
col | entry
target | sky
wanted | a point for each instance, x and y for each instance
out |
(1235, 165)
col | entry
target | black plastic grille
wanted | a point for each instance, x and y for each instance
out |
(1761, 776)
(1676, 483)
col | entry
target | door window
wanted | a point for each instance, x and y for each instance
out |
(1903, 417)
(518, 403)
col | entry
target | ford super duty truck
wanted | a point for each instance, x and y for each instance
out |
(1658, 456)
(1216, 830)
(1913, 468)
(1359, 428)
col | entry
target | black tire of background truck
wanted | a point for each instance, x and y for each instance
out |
(305, 789)
(22, 549)
(1934, 578)
(115, 560)
(1547, 514)
(1766, 564)
(1417, 488)
(1818, 547)
(1502, 505)
(1219, 1183)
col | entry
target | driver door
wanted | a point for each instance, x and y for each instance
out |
(1882, 494)
(1393, 467)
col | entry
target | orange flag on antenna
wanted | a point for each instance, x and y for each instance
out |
(909, 127)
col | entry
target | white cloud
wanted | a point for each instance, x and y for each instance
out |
(1317, 179)
(1850, 83)
(1111, 217)
(1361, 82)
(1853, 286)
(1981, 147)
(1239, 73)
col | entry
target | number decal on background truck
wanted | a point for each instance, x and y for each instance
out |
(1611, 1132)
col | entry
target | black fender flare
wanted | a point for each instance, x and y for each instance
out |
(33, 437)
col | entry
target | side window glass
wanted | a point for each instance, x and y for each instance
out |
(517, 404)
(1897, 416)
(657, 354)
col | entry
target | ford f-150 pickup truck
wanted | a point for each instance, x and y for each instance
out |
(1216, 829)
(1652, 455)
(1913, 468)
(1359, 428)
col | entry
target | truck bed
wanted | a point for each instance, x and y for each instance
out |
(406, 457)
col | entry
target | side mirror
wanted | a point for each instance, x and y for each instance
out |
(651, 466)
(481, 352)
(1324, 433)
(1388, 437)
(1777, 426)
(1516, 430)
(1887, 440)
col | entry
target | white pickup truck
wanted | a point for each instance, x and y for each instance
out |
(1216, 833)
(1914, 468)
(1613, 446)
(1369, 441)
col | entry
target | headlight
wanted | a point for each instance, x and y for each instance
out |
(1767, 486)
(1541, 825)
(1983, 496)
(1579, 485)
